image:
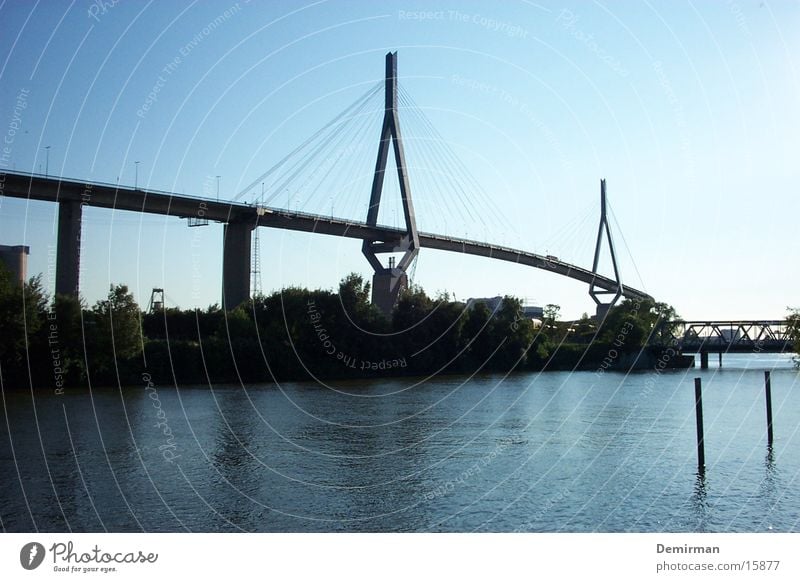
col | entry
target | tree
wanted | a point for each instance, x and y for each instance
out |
(413, 306)
(354, 290)
(478, 334)
(236, 324)
(65, 332)
(551, 313)
(635, 323)
(511, 327)
(665, 324)
(114, 332)
(584, 329)
(22, 315)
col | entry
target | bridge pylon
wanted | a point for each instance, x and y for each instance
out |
(389, 281)
(597, 293)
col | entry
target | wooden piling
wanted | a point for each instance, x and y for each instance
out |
(698, 409)
(768, 390)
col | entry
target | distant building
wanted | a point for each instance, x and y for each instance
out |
(495, 303)
(533, 311)
(15, 260)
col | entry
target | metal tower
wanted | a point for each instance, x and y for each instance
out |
(255, 258)
(156, 300)
(387, 282)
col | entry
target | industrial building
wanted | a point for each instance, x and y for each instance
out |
(15, 259)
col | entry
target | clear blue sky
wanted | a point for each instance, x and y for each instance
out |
(688, 109)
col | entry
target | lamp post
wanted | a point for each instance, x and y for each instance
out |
(136, 176)
(47, 161)
(218, 177)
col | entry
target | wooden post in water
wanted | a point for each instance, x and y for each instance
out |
(698, 410)
(768, 390)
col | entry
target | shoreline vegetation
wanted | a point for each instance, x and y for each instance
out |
(299, 334)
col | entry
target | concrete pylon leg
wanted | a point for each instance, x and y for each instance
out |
(602, 311)
(386, 287)
(68, 254)
(235, 264)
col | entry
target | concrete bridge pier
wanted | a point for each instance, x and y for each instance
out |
(68, 253)
(704, 360)
(386, 287)
(236, 263)
(602, 310)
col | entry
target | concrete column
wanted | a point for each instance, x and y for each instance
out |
(601, 311)
(386, 286)
(235, 264)
(704, 360)
(68, 257)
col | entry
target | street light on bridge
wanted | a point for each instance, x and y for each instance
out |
(47, 161)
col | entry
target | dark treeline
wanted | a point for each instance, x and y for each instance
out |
(299, 334)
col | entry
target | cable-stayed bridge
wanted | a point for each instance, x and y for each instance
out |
(309, 168)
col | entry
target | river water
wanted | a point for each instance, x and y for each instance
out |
(554, 451)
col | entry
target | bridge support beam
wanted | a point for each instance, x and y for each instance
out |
(235, 264)
(704, 360)
(386, 286)
(68, 254)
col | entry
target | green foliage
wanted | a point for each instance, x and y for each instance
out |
(584, 330)
(517, 333)
(427, 333)
(634, 324)
(113, 330)
(65, 332)
(478, 334)
(552, 330)
(22, 314)
(237, 323)
(551, 312)
(297, 334)
(354, 292)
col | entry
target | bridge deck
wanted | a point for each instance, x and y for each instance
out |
(97, 194)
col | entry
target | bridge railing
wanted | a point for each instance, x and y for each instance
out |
(118, 186)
